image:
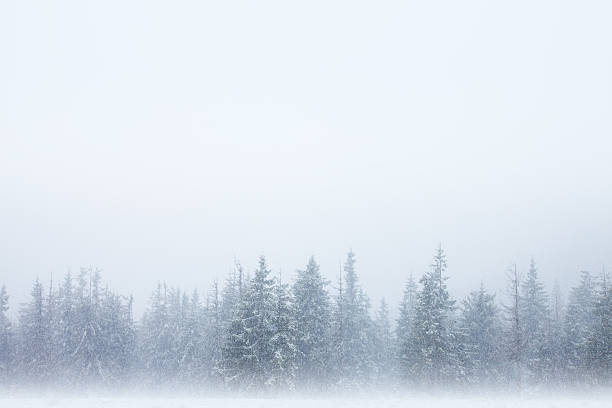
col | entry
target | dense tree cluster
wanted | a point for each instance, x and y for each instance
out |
(258, 332)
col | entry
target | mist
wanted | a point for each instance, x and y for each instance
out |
(163, 143)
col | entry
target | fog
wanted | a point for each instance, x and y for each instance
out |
(159, 141)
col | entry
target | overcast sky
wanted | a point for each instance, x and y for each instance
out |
(159, 140)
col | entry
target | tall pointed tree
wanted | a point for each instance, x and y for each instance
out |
(514, 328)
(248, 351)
(579, 326)
(312, 314)
(600, 342)
(433, 356)
(383, 351)
(481, 326)
(535, 323)
(405, 325)
(215, 333)
(351, 331)
(556, 335)
(284, 360)
(157, 339)
(33, 337)
(231, 295)
(6, 341)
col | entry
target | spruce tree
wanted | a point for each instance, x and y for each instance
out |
(433, 356)
(54, 332)
(514, 335)
(404, 327)
(231, 295)
(69, 335)
(194, 367)
(284, 360)
(312, 314)
(556, 335)
(157, 339)
(480, 327)
(600, 341)
(579, 326)
(535, 317)
(6, 341)
(33, 338)
(248, 352)
(214, 334)
(383, 351)
(352, 330)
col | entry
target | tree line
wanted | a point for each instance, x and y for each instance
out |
(259, 332)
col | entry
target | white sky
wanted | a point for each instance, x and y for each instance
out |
(158, 140)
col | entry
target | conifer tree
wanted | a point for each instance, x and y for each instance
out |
(556, 335)
(351, 333)
(433, 353)
(215, 329)
(600, 342)
(69, 335)
(405, 325)
(6, 341)
(514, 328)
(231, 295)
(480, 328)
(33, 337)
(579, 326)
(249, 352)
(157, 338)
(193, 351)
(383, 351)
(312, 314)
(284, 360)
(54, 332)
(535, 317)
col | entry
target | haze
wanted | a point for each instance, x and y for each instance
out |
(159, 141)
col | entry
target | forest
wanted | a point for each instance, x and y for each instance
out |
(257, 332)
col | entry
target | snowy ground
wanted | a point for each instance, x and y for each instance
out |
(432, 402)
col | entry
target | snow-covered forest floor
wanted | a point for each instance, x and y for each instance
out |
(597, 401)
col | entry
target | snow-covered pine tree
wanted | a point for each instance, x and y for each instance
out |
(85, 362)
(600, 342)
(284, 360)
(535, 317)
(312, 314)
(128, 354)
(351, 330)
(231, 295)
(193, 352)
(237, 361)
(116, 337)
(175, 324)
(367, 340)
(404, 327)
(33, 338)
(214, 335)
(86, 354)
(6, 341)
(433, 356)
(248, 352)
(69, 336)
(579, 326)
(513, 343)
(383, 351)
(480, 329)
(556, 335)
(157, 339)
(54, 329)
